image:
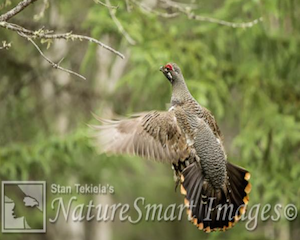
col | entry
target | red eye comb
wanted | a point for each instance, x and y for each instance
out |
(169, 66)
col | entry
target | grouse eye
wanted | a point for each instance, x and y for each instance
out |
(169, 67)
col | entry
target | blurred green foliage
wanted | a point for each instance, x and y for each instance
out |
(248, 78)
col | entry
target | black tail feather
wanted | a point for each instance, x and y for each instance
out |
(213, 209)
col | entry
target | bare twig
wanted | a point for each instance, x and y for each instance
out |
(188, 5)
(20, 7)
(187, 11)
(46, 34)
(150, 10)
(226, 23)
(54, 65)
(119, 25)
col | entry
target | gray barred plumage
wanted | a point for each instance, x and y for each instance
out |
(188, 137)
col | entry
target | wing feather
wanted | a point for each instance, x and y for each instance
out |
(154, 135)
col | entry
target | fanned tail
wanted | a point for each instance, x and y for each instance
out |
(213, 209)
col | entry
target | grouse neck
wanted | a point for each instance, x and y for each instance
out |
(180, 93)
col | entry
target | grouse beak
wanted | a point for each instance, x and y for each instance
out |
(166, 72)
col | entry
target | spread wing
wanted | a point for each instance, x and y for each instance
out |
(153, 135)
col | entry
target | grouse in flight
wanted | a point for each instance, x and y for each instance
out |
(188, 137)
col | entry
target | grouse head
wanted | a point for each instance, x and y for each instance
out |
(172, 72)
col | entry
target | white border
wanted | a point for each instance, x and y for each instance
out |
(43, 183)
